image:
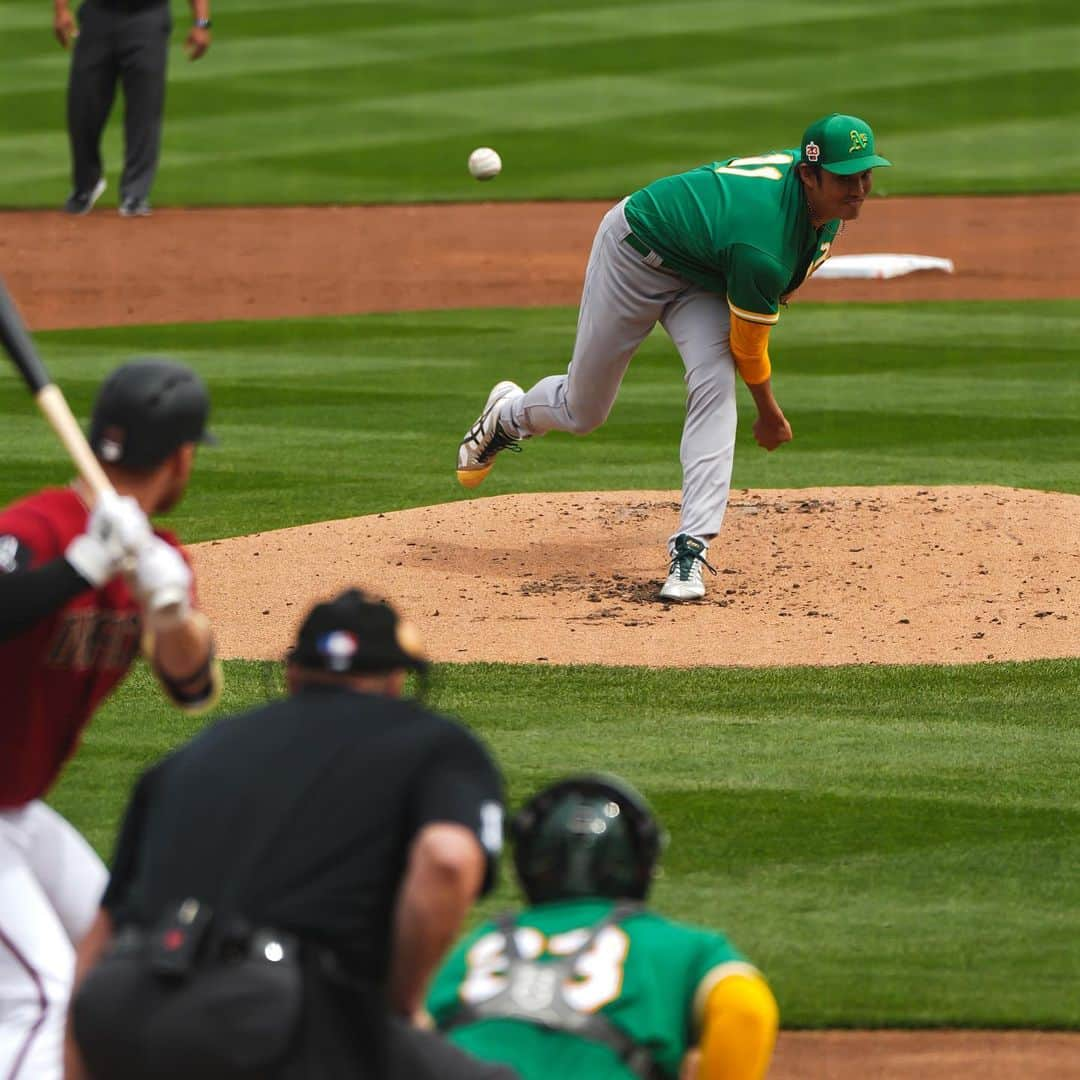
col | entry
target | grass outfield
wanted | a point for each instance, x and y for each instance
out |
(893, 846)
(341, 101)
(331, 418)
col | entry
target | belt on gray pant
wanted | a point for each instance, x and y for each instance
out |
(651, 257)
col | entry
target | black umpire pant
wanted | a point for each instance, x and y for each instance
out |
(347, 1034)
(407, 1054)
(414, 1054)
(130, 48)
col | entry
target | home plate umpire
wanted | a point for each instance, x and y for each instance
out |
(285, 884)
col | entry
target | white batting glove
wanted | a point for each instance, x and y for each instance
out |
(115, 531)
(162, 581)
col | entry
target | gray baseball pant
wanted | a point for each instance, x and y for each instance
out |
(625, 295)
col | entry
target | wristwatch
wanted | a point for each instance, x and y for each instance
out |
(203, 24)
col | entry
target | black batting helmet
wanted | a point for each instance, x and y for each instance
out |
(145, 410)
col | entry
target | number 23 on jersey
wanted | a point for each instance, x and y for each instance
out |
(597, 975)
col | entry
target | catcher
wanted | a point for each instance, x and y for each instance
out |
(587, 982)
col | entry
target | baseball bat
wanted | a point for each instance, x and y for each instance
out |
(49, 397)
(18, 345)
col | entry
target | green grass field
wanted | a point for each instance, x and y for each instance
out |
(344, 101)
(894, 846)
(331, 418)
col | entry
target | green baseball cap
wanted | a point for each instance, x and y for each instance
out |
(841, 144)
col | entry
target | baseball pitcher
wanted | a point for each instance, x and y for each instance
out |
(748, 230)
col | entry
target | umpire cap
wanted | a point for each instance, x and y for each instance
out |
(145, 410)
(352, 634)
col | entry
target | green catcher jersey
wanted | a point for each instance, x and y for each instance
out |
(738, 227)
(647, 975)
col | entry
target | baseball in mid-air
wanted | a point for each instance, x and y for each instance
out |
(485, 163)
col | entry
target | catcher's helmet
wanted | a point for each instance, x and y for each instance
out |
(588, 835)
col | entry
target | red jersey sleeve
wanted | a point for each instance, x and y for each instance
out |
(60, 668)
(28, 539)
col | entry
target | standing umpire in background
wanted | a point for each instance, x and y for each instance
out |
(125, 41)
(285, 884)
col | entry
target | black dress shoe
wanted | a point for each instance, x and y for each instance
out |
(82, 202)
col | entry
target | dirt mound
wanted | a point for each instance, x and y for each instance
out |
(811, 576)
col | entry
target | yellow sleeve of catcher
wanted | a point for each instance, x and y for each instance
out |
(750, 348)
(738, 1022)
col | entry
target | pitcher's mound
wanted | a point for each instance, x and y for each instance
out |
(813, 576)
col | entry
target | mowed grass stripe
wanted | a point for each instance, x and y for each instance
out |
(893, 845)
(513, 57)
(333, 418)
(381, 102)
(396, 31)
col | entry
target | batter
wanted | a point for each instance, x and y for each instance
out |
(77, 605)
(749, 229)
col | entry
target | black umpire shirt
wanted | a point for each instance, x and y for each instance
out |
(313, 803)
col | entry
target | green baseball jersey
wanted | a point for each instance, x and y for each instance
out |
(647, 975)
(739, 227)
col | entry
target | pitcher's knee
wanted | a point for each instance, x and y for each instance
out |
(710, 382)
(585, 419)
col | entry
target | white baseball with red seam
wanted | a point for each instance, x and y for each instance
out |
(485, 163)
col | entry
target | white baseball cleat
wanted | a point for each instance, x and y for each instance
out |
(684, 581)
(486, 437)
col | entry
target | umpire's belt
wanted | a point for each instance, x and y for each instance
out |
(156, 1005)
(647, 254)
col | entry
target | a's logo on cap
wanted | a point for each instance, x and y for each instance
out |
(338, 648)
(813, 151)
(859, 141)
(111, 444)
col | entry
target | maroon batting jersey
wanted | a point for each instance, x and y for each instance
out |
(60, 668)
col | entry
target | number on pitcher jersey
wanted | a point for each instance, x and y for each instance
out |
(764, 165)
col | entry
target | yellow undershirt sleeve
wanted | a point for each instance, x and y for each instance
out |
(738, 1025)
(750, 347)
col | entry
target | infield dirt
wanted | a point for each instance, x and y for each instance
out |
(204, 265)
